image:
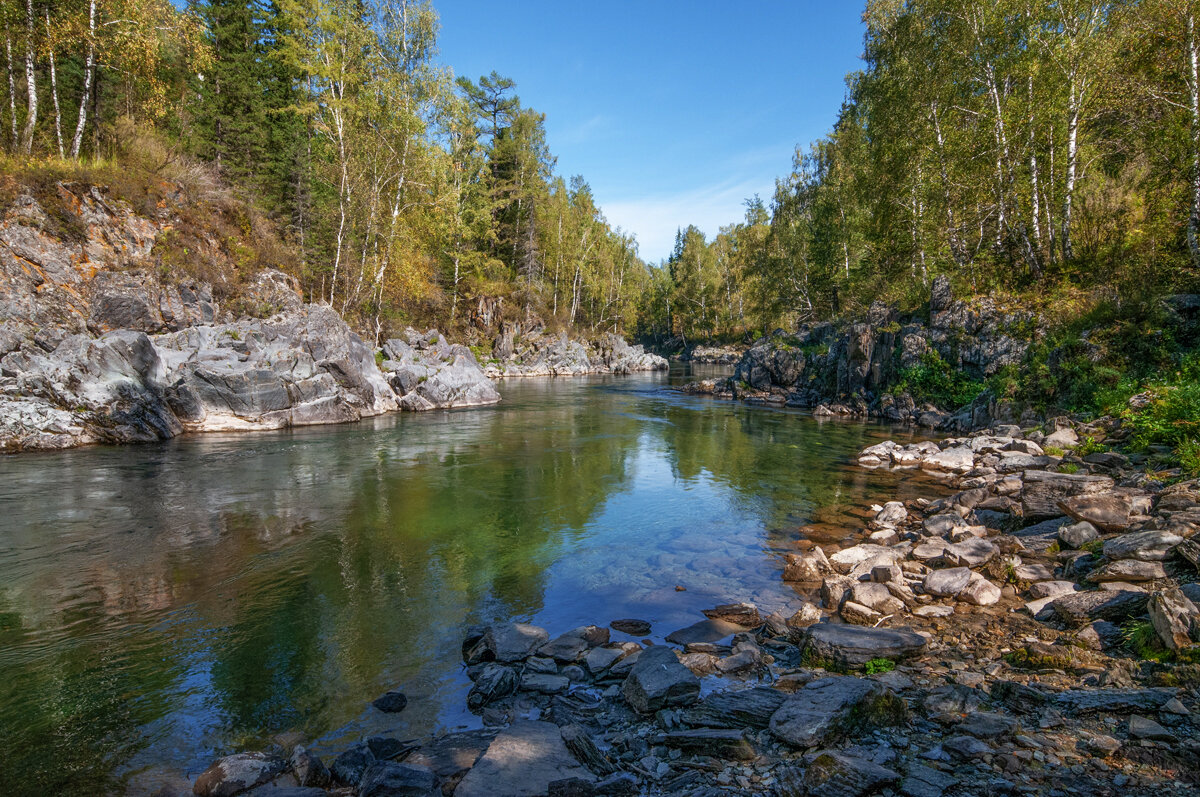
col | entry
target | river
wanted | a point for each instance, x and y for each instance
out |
(160, 604)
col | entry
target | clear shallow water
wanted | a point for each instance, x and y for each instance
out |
(162, 604)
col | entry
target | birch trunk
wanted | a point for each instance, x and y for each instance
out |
(1072, 156)
(1193, 232)
(1033, 172)
(12, 92)
(30, 82)
(54, 91)
(89, 71)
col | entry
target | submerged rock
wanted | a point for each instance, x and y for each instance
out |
(238, 773)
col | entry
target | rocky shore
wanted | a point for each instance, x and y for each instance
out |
(98, 346)
(530, 350)
(1032, 633)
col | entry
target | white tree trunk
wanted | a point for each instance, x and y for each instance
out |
(1072, 156)
(1193, 231)
(12, 93)
(54, 91)
(89, 71)
(30, 82)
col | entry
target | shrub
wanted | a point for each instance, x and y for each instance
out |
(935, 382)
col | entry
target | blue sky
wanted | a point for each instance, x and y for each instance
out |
(675, 112)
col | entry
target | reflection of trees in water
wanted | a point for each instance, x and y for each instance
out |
(421, 526)
(77, 711)
(286, 578)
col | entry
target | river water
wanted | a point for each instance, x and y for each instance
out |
(161, 604)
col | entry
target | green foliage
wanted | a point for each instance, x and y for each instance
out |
(1089, 445)
(1142, 641)
(1189, 456)
(876, 666)
(379, 358)
(936, 382)
(1171, 415)
(1068, 467)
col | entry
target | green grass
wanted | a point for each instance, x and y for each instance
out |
(1142, 641)
(1068, 467)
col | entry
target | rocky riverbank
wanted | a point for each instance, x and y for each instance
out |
(97, 345)
(851, 369)
(530, 350)
(1032, 633)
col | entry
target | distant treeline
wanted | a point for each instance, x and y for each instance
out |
(1033, 147)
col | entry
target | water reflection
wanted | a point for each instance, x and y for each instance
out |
(160, 603)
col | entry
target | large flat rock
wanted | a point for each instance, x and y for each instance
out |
(1043, 490)
(820, 709)
(748, 708)
(853, 646)
(522, 761)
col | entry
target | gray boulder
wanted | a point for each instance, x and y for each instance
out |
(819, 710)
(854, 646)
(237, 773)
(658, 680)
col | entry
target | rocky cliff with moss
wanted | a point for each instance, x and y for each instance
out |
(963, 364)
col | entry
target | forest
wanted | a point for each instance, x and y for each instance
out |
(1043, 150)
(399, 192)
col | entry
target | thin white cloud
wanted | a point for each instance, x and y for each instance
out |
(655, 218)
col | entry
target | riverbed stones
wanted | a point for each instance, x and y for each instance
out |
(1127, 570)
(1145, 728)
(631, 627)
(743, 614)
(818, 710)
(980, 592)
(1051, 589)
(745, 708)
(854, 646)
(573, 645)
(390, 702)
(1174, 617)
(958, 459)
(1113, 701)
(600, 659)
(703, 631)
(1108, 512)
(308, 769)
(725, 743)
(859, 559)
(544, 683)
(513, 642)
(237, 773)
(1080, 608)
(809, 566)
(395, 779)
(891, 514)
(943, 524)
(348, 767)
(523, 760)
(657, 680)
(947, 583)
(1149, 546)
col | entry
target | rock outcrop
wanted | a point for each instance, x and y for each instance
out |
(95, 346)
(848, 369)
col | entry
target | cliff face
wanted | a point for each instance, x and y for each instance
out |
(849, 369)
